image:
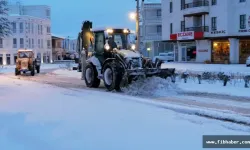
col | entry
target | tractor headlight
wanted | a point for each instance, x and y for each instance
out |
(133, 47)
(125, 31)
(106, 46)
(110, 31)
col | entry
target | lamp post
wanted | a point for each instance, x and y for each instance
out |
(136, 16)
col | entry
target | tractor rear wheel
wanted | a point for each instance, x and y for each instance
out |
(90, 78)
(17, 72)
(33, 71)
(112, 77)
(38, 69)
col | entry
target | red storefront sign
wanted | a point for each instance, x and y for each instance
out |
(189, 35)
(185, 35)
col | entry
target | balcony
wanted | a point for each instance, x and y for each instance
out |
(152, 6)
(198, 29)
(153, 20)
(153, 36)
(196, 8)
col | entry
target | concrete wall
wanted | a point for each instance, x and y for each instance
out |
(203, 49)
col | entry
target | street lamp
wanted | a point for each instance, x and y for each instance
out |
(148, 49)
(132, 16)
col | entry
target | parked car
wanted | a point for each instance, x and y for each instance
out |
(248, 62)
(169, 57)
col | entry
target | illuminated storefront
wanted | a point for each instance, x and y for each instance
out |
(220, 51)
(244, 48)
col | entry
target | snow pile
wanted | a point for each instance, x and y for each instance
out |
(197, 68)
(151, 87)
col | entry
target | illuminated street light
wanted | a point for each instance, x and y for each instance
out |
(132, 16)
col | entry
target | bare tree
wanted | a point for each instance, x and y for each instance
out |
(5, 29)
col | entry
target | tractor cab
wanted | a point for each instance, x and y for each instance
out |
(108, 39)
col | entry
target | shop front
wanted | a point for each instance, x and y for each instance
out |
(244, 50)
(193, 47)
(220, 51)
(185, 49)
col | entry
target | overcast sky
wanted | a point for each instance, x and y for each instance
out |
(67, 15)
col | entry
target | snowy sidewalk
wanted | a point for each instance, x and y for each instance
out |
(195, 67)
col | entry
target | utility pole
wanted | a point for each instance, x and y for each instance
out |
(137, 20)
(68, 44)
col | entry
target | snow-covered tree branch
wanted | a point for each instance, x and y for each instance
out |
(5, 29)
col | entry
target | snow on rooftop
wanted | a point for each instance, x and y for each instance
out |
(58, 36)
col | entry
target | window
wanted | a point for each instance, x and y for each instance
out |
(14, 43)
(48, 29)
(41, 29)
(99, 42)
(21, 43)
(158, 13)
(159, 29)
(38, 26)
(29, 43)
(1, 59)
(48, 44)
(8, 59)
(38, 43)
(41, 43)
(32, 28)
(171, 28)
(182, 4)
(241, 1)
(21, 27)
(214, 23)
(214, 2)
(48, 13)
(33, 46)
(28, 27)
(13, 27)
(1, 43)
(242, 21)
(171, 7)
(182, 26)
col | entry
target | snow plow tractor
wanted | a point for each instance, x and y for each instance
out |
(108, 56)
(26, 63)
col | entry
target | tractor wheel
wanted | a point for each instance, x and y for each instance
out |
(33, 71)
(91, 74)
(111, 77)
(17, 72)
(38, 69)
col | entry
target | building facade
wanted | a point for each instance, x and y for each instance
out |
(31, 29)
(216, 31)
(151, 29)
(57, 48)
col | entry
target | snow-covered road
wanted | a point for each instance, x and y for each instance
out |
(214, 102)
(44, 117)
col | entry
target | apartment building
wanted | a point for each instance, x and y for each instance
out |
(207, 30)
(57, 47)
(31, 29)
(151, 28)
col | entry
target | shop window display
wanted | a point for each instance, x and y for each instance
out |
(220, 52)
(244, 50)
